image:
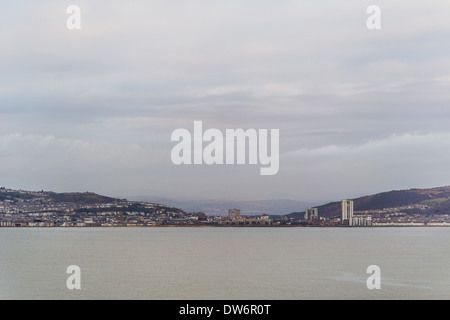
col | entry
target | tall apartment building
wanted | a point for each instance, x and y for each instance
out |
(311, 214)
(347, 211)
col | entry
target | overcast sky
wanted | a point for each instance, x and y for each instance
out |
(359, 111)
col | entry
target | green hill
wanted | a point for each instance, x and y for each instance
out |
(438, 200)
(80, 198)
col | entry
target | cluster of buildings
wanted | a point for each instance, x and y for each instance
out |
(348, 217)
(20, 208)
(399, 217)
(385, 217)
(40, 209)
(235, 218)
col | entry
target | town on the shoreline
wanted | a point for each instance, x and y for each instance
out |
(20, 208)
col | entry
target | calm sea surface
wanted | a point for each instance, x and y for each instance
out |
(225, 263)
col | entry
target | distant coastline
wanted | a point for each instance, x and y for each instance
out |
(47, 209)
(228, 226)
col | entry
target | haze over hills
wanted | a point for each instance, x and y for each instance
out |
(247, 207)
(437, 200)
(210, 207)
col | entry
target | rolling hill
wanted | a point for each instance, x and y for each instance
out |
(81, 198)
(438, 200)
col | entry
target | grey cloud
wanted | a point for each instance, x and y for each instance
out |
(136, 71)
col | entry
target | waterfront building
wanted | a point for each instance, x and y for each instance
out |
(347, 211)
(311, 214)
(361, 221)
(234, 214)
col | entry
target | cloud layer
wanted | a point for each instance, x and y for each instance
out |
(93, 109)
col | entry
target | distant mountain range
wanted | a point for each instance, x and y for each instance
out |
(437, 200)
(247, 207)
